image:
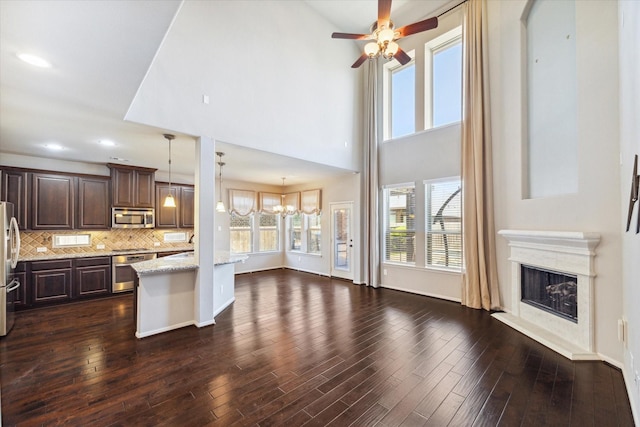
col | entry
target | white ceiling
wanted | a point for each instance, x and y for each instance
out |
(100, 51)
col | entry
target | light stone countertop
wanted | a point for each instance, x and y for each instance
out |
(182, 262)
(50, 255)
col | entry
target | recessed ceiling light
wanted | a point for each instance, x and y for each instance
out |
(34, 60)
(54, 146)
(106, 143)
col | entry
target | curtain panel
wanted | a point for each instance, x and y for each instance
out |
(268, 202)
(480, 279)
(242, 202)
(311, 202)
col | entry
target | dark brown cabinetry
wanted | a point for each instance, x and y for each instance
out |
(187, 207)
(52, 202)
(22, 293)
(91, 277)
(132, 187)
(51, 281)
(182, 216)
(93, 203)
(14, 190)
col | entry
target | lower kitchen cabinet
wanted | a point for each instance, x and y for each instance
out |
(22, 293)
(91, 277)
(62, 280)
(51, 281)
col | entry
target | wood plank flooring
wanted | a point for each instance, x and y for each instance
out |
(298, 349)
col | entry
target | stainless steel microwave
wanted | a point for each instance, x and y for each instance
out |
(132, 218)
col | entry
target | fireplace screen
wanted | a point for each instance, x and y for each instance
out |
(551, 291)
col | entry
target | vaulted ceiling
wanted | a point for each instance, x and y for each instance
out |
(100, 54)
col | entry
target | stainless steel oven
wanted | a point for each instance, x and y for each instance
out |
(123, 275)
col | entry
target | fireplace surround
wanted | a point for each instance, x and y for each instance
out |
(565, 254)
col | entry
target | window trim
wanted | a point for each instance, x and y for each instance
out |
(431, 48)
(387, 72)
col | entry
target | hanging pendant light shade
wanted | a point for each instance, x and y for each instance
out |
(169, 201)
(220, 205)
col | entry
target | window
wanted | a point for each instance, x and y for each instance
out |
(443, 76)
(443, 224)
(416, 97)
(295, 232)
(313, 234)
(241, 233)
(403, 100)
(400, 233)
(269, 231)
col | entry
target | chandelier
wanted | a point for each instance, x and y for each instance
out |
(283, 208)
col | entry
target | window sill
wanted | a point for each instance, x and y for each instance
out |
(420, 268)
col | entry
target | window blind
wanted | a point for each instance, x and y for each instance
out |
(311, 202)
(400, 232)
(242, 202)
(268, 202)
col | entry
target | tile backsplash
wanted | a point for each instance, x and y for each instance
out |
(111, 239)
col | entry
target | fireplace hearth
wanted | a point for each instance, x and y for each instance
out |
(551, 291)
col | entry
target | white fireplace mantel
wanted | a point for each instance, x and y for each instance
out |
(564, 252)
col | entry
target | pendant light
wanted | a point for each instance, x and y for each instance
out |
(169, 201)
(220, 204)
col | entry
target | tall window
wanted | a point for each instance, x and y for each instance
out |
(269, 233)
(314, 234)
(403, 100)
(295, 232)
(443, 76)
(241, 233)
(443, 224)
(400, 232)
(447, 84)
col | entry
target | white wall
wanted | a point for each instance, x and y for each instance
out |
(596, 205)
(278, 84)
(629, 27)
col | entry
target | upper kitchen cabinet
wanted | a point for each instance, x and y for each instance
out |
(167, 217)
(182, 216)
(14, 190)
(132, 187)
(52, 201)
(93, 203)
(187, 209)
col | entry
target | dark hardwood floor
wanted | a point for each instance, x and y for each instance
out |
(297, 349)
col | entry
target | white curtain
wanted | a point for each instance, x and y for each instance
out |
(371, 249)
(311, 202)
(480, 280)
(293, 199)
(242, 202)
(268, 201)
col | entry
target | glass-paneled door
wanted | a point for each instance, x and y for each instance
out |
(342, 240)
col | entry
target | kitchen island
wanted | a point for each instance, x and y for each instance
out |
(164, 293)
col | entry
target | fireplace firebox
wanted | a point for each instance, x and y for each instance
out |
(551, 291)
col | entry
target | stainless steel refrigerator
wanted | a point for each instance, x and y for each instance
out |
(9, 252)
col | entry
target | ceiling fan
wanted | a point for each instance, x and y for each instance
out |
(383, 36)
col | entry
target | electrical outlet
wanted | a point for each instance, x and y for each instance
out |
(100, 246)
(384, 271)
(41, 249)
(222, 289)
(156, 243)
(299, 258)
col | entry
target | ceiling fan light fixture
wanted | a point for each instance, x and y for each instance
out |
(386, 35)
(372, 49)
(391, 49)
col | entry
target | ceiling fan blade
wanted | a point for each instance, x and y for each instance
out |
(402, 56)
(384, 12)
(417, 27)
(349, 36)
(360, 60)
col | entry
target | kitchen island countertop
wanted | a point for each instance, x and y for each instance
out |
(182, 262)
